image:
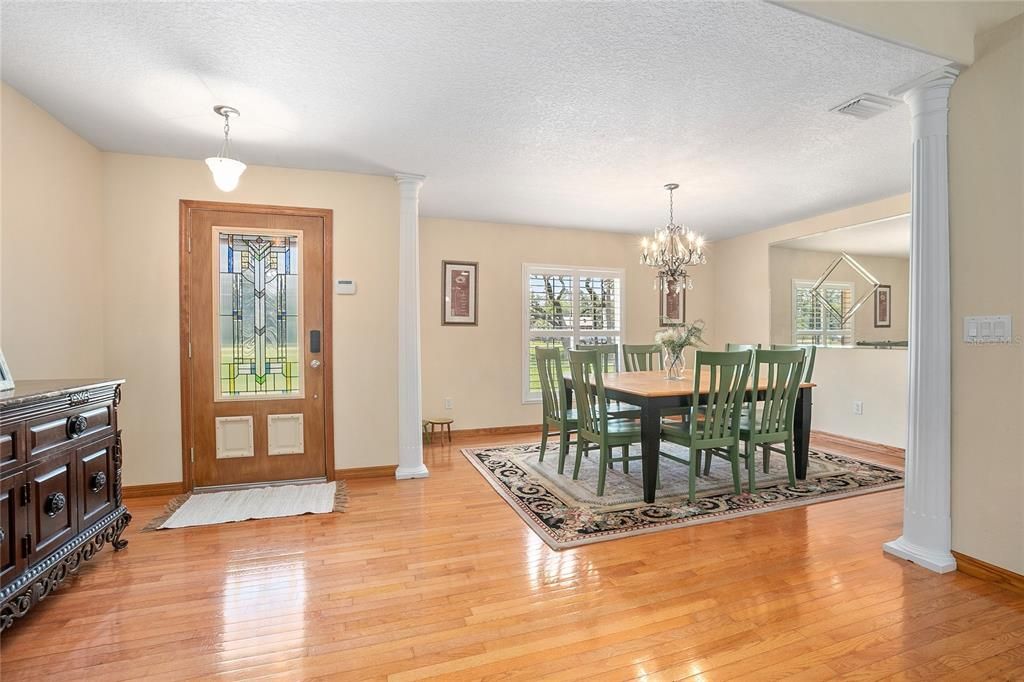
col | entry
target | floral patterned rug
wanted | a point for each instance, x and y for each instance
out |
(567, 513)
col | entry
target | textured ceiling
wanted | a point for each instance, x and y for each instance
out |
(569, 114)
(889, 237)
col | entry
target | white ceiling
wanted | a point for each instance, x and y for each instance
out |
(571, 114)
(889, 237)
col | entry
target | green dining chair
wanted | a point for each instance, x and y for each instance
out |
(809, 353)
(595, 425)
(644, 358)
(554, 403)
(716, 424)
(608, 354)
(771, 420)
(733, 347)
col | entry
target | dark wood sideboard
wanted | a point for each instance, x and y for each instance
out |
(60, 485)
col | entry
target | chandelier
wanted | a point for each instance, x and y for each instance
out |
(673, 249)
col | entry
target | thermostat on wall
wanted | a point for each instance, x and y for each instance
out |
(344, 286)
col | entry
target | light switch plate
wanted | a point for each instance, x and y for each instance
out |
(988, 329)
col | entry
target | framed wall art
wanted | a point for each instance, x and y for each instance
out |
(672, 308)
(6, 380)
(883, 306)
(459, 297)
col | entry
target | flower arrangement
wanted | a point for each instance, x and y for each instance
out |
(676, 338)
(680, 336)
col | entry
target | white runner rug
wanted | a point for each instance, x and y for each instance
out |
(205, 509)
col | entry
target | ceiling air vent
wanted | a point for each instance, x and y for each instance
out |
(866, 106)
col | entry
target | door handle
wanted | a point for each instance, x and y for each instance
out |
(314, 363)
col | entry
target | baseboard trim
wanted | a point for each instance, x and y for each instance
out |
(495, 431)
(153, 489)
(365, 472)
(986, 571)
(857, 442)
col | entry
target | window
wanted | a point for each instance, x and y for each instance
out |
(814, 323)
(564, 307)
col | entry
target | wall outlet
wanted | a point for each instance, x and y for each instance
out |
(449, 404)
(858, 407)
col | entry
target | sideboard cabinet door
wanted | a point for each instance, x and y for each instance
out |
(52, 509)
(95, 481)
(13, 519)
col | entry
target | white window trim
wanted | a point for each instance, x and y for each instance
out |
(807, 284)
(576, 272)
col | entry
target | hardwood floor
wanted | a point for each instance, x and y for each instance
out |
(439, 578)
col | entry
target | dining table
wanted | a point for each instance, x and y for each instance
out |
(653, 392)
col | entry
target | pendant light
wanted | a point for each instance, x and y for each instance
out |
(226, 170)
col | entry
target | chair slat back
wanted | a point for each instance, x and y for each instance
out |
(642, 358)
(552, 382)
(809, 353)
(588, 385)
(733, 347)
(728, 372)
(782, 370)
(608, 354)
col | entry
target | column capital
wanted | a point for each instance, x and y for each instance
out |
(928, 99)
(407, 179)
(939, 78)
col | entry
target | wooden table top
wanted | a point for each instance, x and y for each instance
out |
(655, 385)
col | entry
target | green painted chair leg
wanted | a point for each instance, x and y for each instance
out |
(790, 464)
(750, 451)
(579, 458)
(605, 455)
(708, 456)
(563, 450)
(625, 459)
(694, 464)
(767, 453)
(734, 459)
(543, 442)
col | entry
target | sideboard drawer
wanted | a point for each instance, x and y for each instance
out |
(46, 433)
(12, 445)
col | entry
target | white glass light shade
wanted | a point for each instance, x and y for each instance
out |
(226, 172)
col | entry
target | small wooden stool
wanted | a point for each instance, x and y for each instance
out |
(443, 423)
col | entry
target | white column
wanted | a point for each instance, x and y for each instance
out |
(410, 415)
(926, 516)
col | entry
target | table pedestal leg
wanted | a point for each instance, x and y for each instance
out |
(650, 433)
(802, 431)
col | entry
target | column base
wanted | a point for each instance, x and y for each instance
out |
(940, 562)
(405, 473)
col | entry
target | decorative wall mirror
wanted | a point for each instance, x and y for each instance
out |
(844, 288)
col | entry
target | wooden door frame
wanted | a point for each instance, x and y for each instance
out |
(185, 207)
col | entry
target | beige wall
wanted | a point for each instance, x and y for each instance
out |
(785, 265)
(480, 367)
(945, 28)
(986, 151)
(51, 291)
(140, 205)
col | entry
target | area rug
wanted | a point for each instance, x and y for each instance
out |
(567, 513)
(207, 509)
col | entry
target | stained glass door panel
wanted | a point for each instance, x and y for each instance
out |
(259, 316)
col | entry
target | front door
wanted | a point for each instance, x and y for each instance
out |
(253, 318)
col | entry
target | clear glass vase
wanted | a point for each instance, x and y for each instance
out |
(675, 363)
